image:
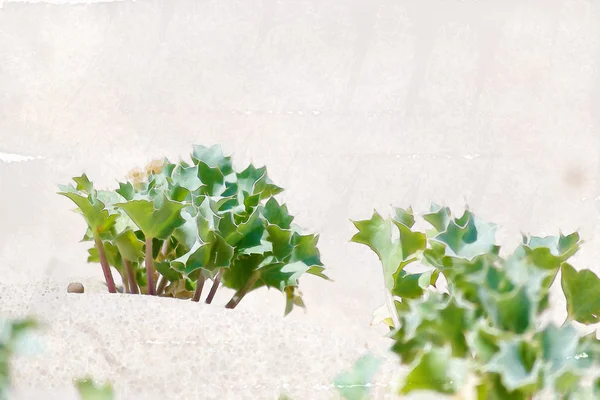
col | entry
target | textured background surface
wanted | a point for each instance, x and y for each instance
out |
(352, 105)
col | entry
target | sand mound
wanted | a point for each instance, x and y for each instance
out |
(160, 348)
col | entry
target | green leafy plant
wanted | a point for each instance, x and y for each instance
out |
(88, 390)
(355, 384)
(12, 334)
(168, 229)
(485, 327)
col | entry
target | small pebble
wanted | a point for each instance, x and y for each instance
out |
(75, 287)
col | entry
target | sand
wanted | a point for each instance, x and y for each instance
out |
(161, 348)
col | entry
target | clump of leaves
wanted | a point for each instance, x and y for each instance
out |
(486, 325)
(12, 333)
(170, 228)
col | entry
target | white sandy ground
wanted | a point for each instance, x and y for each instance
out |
(157, 348)
(352, 105)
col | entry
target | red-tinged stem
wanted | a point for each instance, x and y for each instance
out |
(110, 282)
(150, 268)
(199, 286)
(239, 295)
(214, 287)
(133, 287)
(162, 284)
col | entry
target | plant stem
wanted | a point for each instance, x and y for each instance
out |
(133, 288)
(125, 284)
(239, 295)
(165, 249)
(150, 268)
(214, 287)
(110, 282)
(391, 306)
(199, 286)
(162, 284)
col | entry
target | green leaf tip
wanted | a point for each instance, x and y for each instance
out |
(581, 290)
(377, 234)
(436, 370)
(88, 390)
(355, 383)
(156, 222)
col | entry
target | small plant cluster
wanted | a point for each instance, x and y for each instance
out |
(169, 229)
(485, 326)
(12, 333)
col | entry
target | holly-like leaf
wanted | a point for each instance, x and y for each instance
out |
(509, 310)
(88, 390)
(240, 271)
(256, 181)
(468, 237)
(412, 286)
(94, 212)
(126, 190)
(562, 247)
(581, 290)
(439, 217)
(187, 234)
(180, 194)
(207, 219)
(518, 364)
(187, 177)
(279, 275)
(212, 179)
(247, 179)
(210, 256)
(522, 269)
(559, 348)
(130, 247)
(305, 249)
(277, 214)
(213, 157)
(405, 217)
(438, 371)
(354, 384)
(377, 234)
(249, 201)
(196, 258)
(483, 340)
(109, 199)
(84, 184)
(281, 241)
(158, 188)
(247, 234)
(155, 223)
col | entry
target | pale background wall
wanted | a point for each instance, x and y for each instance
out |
(352, 105)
